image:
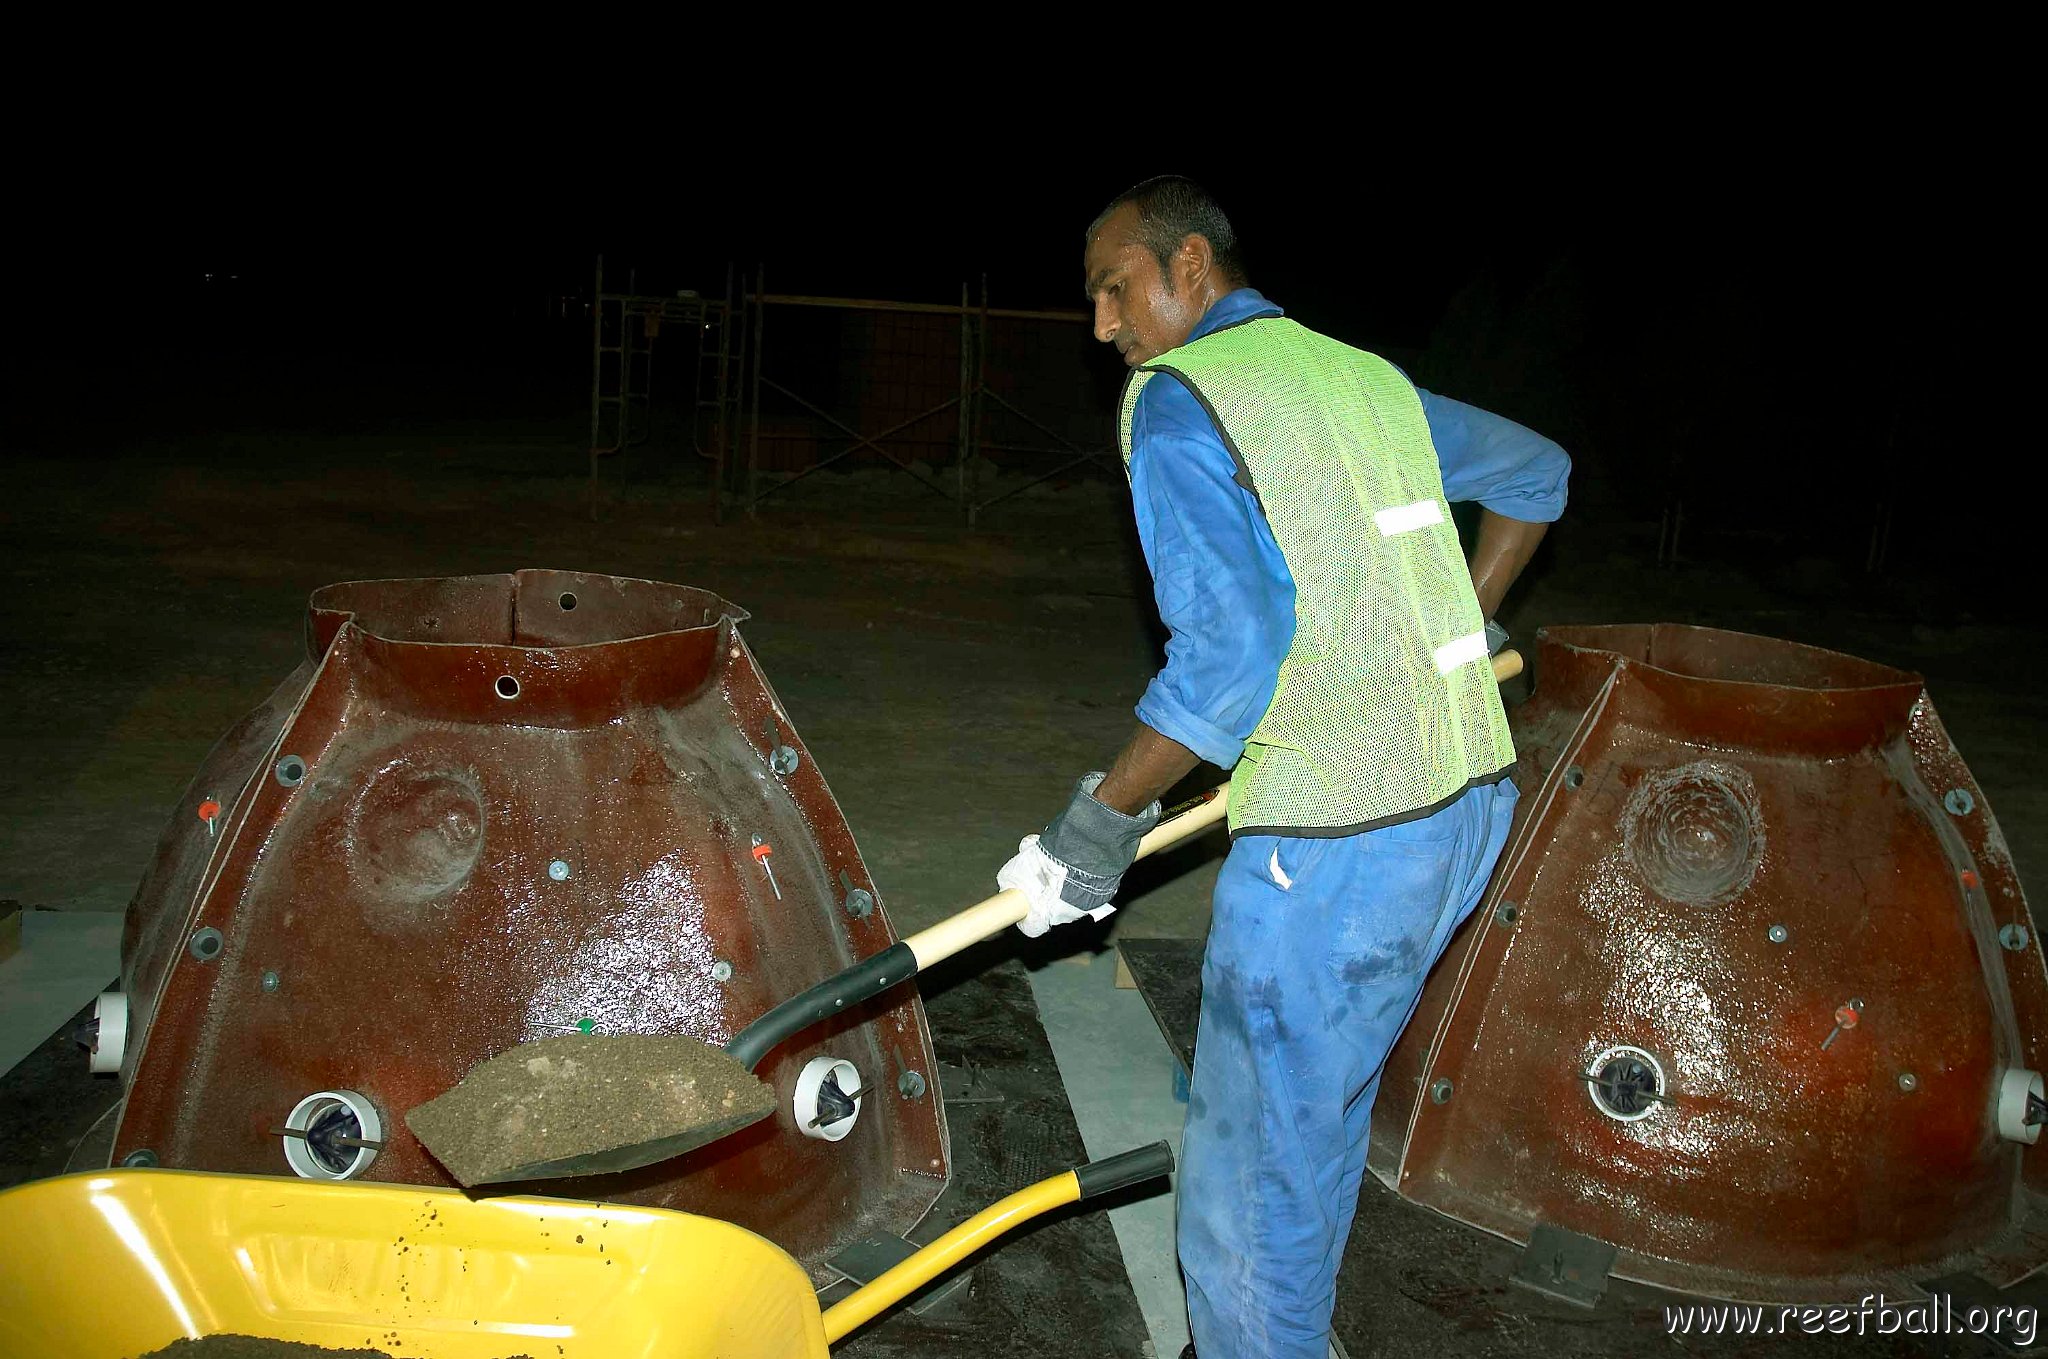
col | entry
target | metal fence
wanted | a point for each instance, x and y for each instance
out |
(970, 402)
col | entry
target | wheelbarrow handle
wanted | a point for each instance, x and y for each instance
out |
(1069, 1186)
(1124, 1169)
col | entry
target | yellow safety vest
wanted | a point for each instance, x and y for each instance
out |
(1386, 707)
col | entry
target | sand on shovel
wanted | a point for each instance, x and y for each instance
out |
(585, 1104)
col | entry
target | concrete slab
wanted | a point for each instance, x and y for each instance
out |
(1119, 1076)
(66, 958)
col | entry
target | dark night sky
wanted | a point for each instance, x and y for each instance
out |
(835, 230)
(1381, 235)
(1778, 292)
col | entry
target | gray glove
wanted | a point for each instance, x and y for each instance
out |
(1094, 843)
(1075, 866)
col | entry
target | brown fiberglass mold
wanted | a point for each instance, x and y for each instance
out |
(491, 809)
(1754, 996)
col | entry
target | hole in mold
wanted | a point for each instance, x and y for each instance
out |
(568, 600)
(1626, 1083)
(507, 687)
(333, 1120)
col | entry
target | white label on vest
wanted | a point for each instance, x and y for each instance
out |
(1464, 651)
(1402, 518)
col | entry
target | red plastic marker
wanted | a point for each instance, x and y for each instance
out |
(1846, 1017)
(762, 849)
(209, 812)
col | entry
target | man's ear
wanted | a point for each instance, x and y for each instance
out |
(1194, 263)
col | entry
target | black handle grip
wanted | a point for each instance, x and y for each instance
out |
(829, 997)
(1129, 1167)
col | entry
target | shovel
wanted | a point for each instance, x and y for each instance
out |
(511, 1117)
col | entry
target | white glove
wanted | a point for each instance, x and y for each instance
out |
(1042, 878)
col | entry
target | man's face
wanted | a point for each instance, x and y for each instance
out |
(1140, 309)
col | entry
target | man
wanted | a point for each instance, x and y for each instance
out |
(1329, 642)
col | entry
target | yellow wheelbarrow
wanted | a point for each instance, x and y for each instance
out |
(120, 1263)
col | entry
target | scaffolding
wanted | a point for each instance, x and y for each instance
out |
(944, 419)
(975, 411)
(931, 412)
(625, 327)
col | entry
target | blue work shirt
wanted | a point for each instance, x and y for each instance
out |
(1222, 586)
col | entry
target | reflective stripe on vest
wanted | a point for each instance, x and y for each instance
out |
(1382, 711)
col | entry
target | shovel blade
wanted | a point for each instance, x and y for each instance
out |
(618, 1158)
(587, 1104)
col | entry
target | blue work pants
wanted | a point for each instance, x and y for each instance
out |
(1317, 953)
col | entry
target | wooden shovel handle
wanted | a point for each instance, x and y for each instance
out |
(1006, 908)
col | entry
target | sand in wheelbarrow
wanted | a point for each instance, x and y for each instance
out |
(257, 1347)
(580, 1095)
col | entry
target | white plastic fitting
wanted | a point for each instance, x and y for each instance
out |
(1656, 1069)
(303, 1162)
(806, 1102)
(110, 1011)
(2013, 1088)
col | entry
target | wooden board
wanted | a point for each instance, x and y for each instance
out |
(1168, 974)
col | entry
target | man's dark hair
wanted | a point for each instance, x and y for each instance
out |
(1172, 208)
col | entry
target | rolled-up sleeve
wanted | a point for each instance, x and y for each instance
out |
(1509, 468)
(1222, 587)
